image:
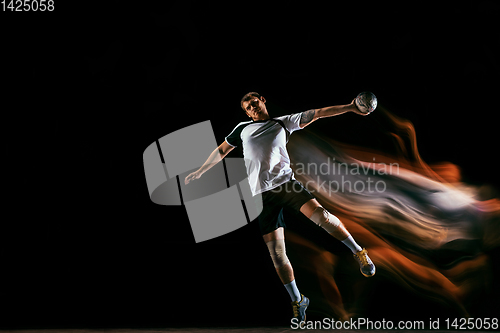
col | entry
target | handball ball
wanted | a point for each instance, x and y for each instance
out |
(366, 102)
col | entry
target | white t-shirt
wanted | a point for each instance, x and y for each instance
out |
(264, 150)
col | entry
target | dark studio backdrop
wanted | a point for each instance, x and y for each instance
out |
(86, 88)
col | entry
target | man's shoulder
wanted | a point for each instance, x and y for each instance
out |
(291, 121)
(241, 126)
(289, 116)
(244, 123)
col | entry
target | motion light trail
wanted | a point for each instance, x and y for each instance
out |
(417, 212)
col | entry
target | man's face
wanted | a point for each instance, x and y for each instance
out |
(255, 108)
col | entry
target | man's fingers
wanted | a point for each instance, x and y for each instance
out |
(190, 177)
(357, 110)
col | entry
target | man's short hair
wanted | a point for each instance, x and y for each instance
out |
(248, 97)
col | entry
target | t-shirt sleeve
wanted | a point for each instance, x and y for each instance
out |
(292, 122)
(234, 138)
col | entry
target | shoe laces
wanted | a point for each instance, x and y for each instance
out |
(295, 307)
(363, 257)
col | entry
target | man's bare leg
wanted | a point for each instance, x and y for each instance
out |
(308, 209)
(315, 212)
(285, 272)
(275, 242)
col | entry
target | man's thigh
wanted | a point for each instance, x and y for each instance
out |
(308, 208)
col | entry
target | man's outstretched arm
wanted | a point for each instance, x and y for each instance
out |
(215, 157)
(312, 115)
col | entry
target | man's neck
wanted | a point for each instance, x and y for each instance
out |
(264, 117)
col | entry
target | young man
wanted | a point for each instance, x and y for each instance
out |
(268, 166)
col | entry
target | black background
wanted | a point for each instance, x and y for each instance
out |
(86, 88)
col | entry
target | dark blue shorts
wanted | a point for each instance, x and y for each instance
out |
(288, 195)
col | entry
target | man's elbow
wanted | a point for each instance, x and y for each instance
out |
(223, 152)
(320, 113)
(224, 149)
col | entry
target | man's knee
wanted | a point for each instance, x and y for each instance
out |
(277, 251)
(324, 219)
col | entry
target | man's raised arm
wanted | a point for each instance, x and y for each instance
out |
(215, 157)
(312, 115)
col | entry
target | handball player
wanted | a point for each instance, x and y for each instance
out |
(267, 161)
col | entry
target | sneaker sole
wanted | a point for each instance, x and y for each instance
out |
(366, 275)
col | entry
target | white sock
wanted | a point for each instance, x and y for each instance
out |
(351, 244)
(293, 291)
